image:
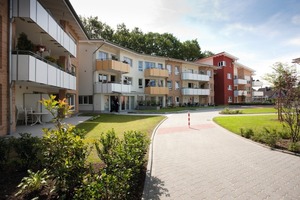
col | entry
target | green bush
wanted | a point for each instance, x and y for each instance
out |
(28, 150)
(248, 133)
(294, 147)
(5, 147)
(123, 161)
(270, 137)
(284, 134)
(229, 111)
(64, 155)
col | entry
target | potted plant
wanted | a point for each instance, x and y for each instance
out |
(24, 43)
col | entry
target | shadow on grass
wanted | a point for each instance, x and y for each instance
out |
(154, 188)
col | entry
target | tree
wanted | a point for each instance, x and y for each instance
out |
(191, 50)
(96, 29)
(284, 79)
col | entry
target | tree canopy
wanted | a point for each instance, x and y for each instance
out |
(151, 43)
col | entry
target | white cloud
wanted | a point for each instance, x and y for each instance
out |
(293, 41)
(296, 19)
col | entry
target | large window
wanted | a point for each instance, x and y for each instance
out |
(177, 85)
(141, 66)
(102, 55)
(160, 66)
(127, 80)
(169, 84)
(102, 78)
(88, 99)
(169, 68)
(140, 83)
(229, 87)
(222, 64)
(176, 70)
(209, 73)
(149, 65)
(229, 99)
(228, 76)
(128, 61)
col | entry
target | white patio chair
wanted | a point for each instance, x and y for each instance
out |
(28, 116)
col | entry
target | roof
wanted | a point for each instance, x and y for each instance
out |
(103, 42)
(243, 66)
(220, 54)
(296, 60)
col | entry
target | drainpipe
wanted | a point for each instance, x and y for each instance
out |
(10, 83)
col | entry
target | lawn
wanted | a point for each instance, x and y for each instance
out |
(120, 123)
(255, 122)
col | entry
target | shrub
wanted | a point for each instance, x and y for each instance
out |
(5, 147)
(248, 133)
(229, 111)
(294, 147)
(123, 160)
(284, 134)
(28, 150)
(31, 186)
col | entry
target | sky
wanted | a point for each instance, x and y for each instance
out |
(258, 32)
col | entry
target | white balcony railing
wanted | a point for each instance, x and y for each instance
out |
(240, 82)
(257, 93)
(34, 10)
(195, 77)
(107, 88)
(257, 84)
(240, 93)
(31, 69)
(194, 91)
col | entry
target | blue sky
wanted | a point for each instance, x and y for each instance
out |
(258, 32)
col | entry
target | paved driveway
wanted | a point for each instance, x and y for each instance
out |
(206, 161)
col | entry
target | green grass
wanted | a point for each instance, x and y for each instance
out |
(256, 123)
(258, 110)
(120, 123)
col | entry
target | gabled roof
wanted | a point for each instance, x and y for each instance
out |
(237, 64)
(220, 54)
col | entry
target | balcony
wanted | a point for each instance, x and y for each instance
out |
(240, 93)
(157, 90)
(108, 88)
(194, 77)
(31, 68)
(156, 73)
(240, 82)
(257, 84)
(33, 11)
(194, 91)
(113, 66)
(257, 93)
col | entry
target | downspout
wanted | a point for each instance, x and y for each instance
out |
(10, 83)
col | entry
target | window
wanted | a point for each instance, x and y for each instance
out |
(140, 83)
(160, 66)
(102, 78)
(149, 65)
(228, 76)
(86, 99)
(222, 64)
(169, 68)
(141, 66)
(102, 55)
(229, 99)
(209, 73)
(229, 87)
(176, 70)
(177, 99)
(190, 85)
(71, 101)
(128, 61)
(127, 80)
(177, 85)
(169, 84)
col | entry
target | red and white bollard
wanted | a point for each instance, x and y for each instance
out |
(189, 119)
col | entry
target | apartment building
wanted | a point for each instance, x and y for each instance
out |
(43, 53)
(113, 78)
(189, 83)
(232, 80)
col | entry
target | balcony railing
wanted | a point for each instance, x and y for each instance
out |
(33, 10)
(157, 90)
(240, 93)
(108, 88)
(257, 84)
(112, 65)
(257, 93)
(194, 91)
(240, 82)
(32, 68)
(156, 73)
(195, 77)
